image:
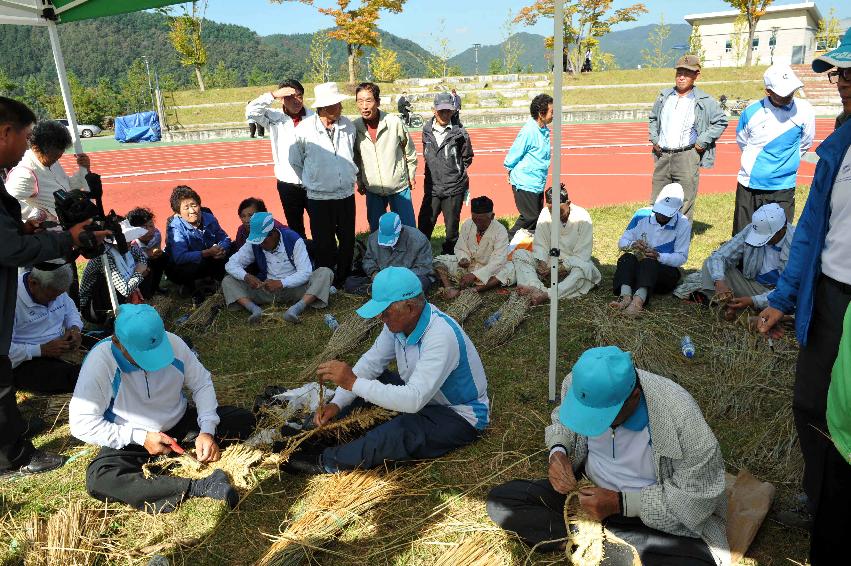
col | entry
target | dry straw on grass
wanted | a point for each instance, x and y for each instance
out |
(203, 317)
(512, 313)
(73, 536)
(464, 304)
(237, 461)
(348, 336)
(472, 551)
(333, 502)
(166, 305)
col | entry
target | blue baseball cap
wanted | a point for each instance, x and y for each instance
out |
(140, 330)
(603, 379)
(389, 228)
(390, 285)
(839, 57)
(260, 225)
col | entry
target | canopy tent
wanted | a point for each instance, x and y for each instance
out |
(49, 13)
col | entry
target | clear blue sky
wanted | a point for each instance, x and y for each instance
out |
(467, 21)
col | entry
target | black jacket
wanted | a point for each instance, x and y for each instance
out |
(446, 165)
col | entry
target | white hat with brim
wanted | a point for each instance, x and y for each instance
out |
(765, 223)
(839, 57)
(670, 200)
(129, 232)
(781, 80)
(327, 94)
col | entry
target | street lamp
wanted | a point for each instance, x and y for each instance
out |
(772, 41)
(476, 48)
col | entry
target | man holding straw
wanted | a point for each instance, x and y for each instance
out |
(440, 388)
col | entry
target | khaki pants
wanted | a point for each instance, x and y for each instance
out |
(456, 272)
(736, 280)
(319, 285)
(682, 168)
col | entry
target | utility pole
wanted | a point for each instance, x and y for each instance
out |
(476, 48)
(150, 83)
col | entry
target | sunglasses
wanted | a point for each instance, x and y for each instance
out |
(833, 76)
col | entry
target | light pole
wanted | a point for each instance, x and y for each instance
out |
(150, 84)
(772, 41)
(476, 48)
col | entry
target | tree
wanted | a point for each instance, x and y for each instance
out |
(695, 43)
(319, 59)
(439, 65)
(135, 90)
(385, 67)
(738, 41)
(603, 61)
(223, 77)
(512, 48)
(356, 27)
(258, 77)
(7, 85)
(657, 57)
(752, 11)
(495, 67)
(584, 22)
(828, 32)
(185, 36)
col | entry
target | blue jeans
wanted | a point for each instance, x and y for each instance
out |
(400, 203)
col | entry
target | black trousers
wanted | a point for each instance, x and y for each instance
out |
(529, 205)
(749, 200)
(188, 273)
(658, 278)
(116, 475)
(151, 284)
(15, 450)
(830, 522)
(254, 128)
(46, 375)
(332, 225)
(294, 202)
(535, 511)
(432, 207)
(812, 379)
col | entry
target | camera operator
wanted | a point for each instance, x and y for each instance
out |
(21, 244)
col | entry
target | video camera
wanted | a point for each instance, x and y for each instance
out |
(73, 207)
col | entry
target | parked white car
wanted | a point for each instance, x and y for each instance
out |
(85, 130)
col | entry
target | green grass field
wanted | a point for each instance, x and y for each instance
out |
(444, 500)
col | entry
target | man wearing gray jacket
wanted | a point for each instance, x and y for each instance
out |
(685, 124)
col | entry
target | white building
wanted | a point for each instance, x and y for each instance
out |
(786, 34)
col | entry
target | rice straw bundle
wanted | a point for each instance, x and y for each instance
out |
(473, 551)
(585, 536)
(511, 314)
(334, 502)
(72, 536)
(237, 462)
(464, 304)
(202, 317)
(348, 336)
(166, 305)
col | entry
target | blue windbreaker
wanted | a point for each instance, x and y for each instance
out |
(528, 159)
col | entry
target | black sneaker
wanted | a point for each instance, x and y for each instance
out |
(40, 461)
(304, 464)
(215, 486)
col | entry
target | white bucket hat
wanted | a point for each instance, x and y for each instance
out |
(327, 94)
(670, 200)
(781, 80)
(766, 221)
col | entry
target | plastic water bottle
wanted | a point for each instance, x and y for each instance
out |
(331, 322)
(492, 319)
(687, 347)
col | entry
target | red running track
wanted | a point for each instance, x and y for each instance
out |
(602, 164)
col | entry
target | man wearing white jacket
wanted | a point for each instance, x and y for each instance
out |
(281, 125)
(129, 400)
(440, 390)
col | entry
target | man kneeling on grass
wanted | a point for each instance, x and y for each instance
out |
(441, 388)
(480, 260)
(129, 400)
(284, 272)
(655, 464)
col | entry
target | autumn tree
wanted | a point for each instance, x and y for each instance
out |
(385, 67)
(828, 32)
(657, 56)
(585, 21)
(356, 27)
(439, 66)
(512, 48)
(739, 45)
(751, 11)
(185, 36)
(319, 58)
(695, 43)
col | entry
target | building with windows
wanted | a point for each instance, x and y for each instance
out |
(785, 34)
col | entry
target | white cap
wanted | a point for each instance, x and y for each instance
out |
(781, 80)
(327, 94)
(670, 200)
(766, 222)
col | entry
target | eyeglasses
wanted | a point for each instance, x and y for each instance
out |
(833, 76)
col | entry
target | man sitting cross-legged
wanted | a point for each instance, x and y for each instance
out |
(47, 326)
(762, 251)
(393, 245)
(655, 464)
(480, 260)
(284, 272)
(576, 272)
(441, 388)
(129, 400)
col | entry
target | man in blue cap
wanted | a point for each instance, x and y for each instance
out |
(655, 464)
(129, 400)
(394, 245)
(440, 388)
(284, 272)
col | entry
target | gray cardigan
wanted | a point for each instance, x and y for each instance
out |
(709, 121)
(413, 250)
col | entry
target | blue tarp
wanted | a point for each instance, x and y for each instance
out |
(141, 127)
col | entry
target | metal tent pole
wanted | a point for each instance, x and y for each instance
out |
(63, 84)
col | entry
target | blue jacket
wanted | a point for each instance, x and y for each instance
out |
(186, 242)
(795, 290)
(289, 238)
(528, 159)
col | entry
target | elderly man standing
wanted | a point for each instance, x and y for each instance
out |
(47, 326)
(577, 272)
(394, 245)
(685, 123)
(386, 159)
(656, 466)
(323, 156)
(284, 272)
(480, 260)
(129, 400)
(774, 134)
(440, 387)
(281, 125)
